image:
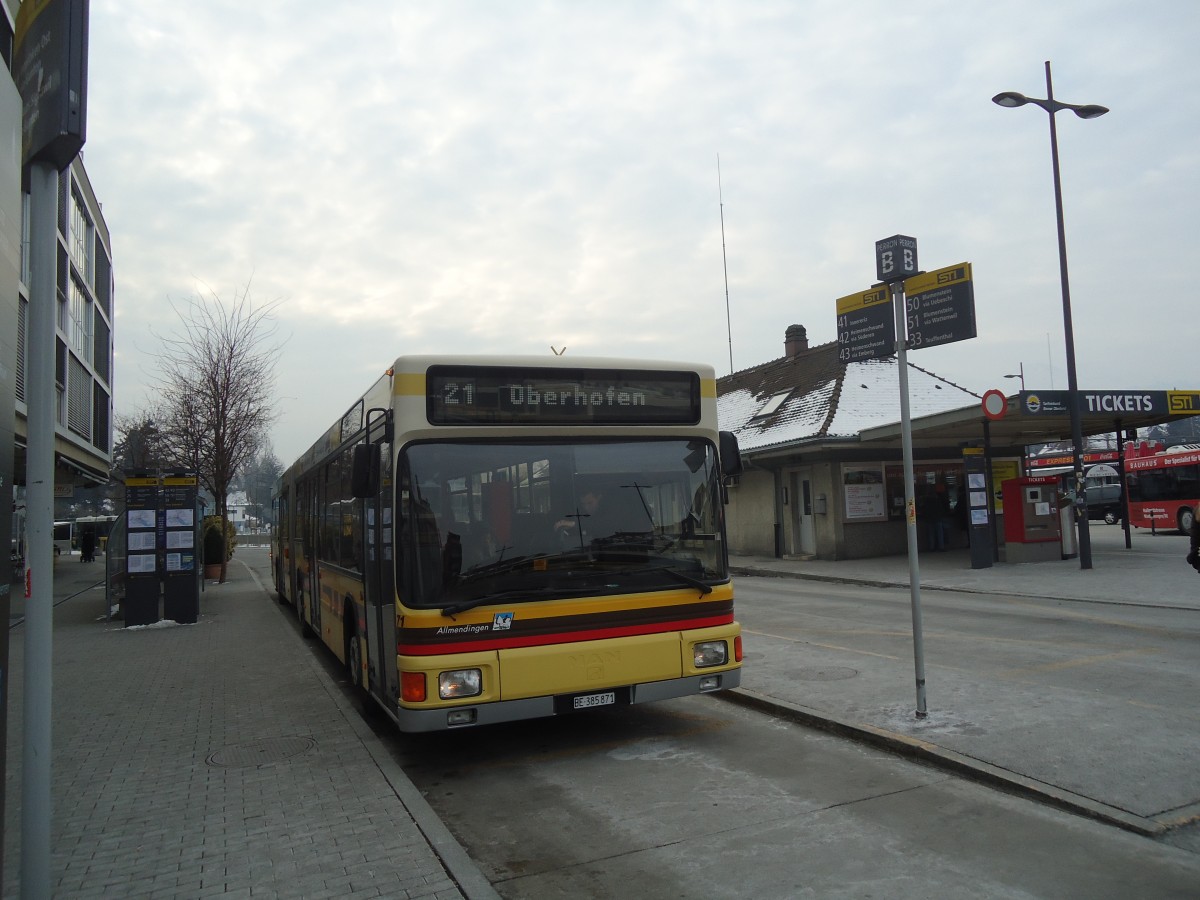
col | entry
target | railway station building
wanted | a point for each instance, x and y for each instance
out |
(822, 443)
(813, 487)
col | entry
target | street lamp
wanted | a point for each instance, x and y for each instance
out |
(1012, 99)
(1021, 376)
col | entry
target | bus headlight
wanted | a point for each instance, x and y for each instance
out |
(460, 683)
(710, 653)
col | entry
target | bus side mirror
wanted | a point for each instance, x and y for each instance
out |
(731, 454)
(364, 476)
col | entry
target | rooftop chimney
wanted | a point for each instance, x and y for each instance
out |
(795, 341)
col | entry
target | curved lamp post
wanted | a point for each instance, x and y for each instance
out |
(1021, 375)
(1012, 99)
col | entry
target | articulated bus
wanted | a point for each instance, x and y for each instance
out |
(487, 539)
(1164, 489)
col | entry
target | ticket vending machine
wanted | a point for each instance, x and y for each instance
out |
(1031, 521)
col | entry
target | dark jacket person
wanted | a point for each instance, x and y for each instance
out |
(1193, 556)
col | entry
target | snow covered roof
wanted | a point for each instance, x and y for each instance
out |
(812, 397)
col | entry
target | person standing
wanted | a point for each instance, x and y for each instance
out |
(87, 546)
(1193, 556)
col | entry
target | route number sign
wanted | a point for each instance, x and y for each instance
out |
(940, 307)
(866, 325)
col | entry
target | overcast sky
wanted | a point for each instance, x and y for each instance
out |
(507, 176)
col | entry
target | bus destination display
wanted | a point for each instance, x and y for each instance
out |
(505, 395)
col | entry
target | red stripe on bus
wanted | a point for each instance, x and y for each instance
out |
(541, 640)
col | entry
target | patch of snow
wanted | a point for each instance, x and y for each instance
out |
(162, 623)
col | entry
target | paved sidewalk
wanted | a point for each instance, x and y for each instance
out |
(1110, 732)
(216, 759)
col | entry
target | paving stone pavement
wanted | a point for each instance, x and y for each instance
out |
(216, 759)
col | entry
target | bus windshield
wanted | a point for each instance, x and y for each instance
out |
(508, 522)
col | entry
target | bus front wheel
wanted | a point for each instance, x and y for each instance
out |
(1186, 518)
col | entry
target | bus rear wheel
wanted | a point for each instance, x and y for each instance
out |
(354, 660)
(1186, 518)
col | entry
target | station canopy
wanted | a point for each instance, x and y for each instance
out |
(1040, 417)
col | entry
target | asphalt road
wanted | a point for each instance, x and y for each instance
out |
(702, 798)
(699, 797)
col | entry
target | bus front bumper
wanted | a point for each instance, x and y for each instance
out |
(422, 720)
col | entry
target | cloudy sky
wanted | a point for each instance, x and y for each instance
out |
(509, 176)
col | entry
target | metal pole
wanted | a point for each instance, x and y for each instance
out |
(910, 503)
(725, 265)
(991, 489)
(1123, 498)
(36, 809)
(1085, 537)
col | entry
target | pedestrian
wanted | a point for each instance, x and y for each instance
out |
(931, 511)
(87, 546)
(1193, 556)
(962, 513)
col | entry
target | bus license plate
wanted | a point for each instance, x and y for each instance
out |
(587, 701)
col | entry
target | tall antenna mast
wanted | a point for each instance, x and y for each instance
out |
(725, 264)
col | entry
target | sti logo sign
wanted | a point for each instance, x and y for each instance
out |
(1183, 403)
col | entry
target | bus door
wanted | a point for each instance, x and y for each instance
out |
(380, 586)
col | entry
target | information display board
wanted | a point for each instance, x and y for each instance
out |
(142, 588)
(940, 307)
(976, 496)
(866, 325)
(181, 584)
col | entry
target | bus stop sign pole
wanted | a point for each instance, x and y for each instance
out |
(896, 260)
(910, 503)
(49, 64)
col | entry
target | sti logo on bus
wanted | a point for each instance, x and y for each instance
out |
(895, 258)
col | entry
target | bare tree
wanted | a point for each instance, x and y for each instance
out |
(217, 377)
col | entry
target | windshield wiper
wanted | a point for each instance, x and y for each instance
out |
(500, 567)
(530, 594)
(702, 586)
